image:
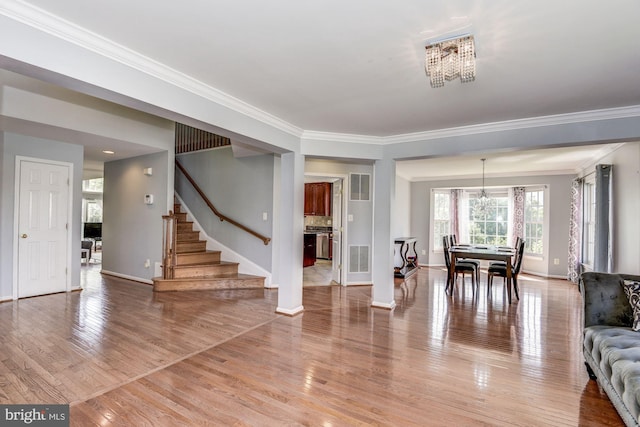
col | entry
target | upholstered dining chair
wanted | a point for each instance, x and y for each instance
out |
(461, 266)
(497, 269)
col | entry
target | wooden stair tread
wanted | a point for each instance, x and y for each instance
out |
(206, 264)
(238, 281)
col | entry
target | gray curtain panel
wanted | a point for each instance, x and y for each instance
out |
(603, 257)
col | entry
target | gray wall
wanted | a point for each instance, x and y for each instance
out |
(20, 145)
(240, 188)
(559, 189)
(132, 230)
(360, 230)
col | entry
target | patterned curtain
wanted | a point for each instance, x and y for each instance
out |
(575, 231)
(453, 212)
(518, 212)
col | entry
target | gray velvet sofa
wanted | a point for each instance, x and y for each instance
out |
(611, 348)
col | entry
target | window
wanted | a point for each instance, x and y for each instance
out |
(93, 211)
(489, 225)
(589, 222)
(93, 185)
(92, 200)
(441, 216)
(533, 221)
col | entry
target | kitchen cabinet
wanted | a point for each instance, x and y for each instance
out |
(317, 199)
(309, 251)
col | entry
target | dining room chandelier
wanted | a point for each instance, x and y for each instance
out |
(450, 59)
(483, 200)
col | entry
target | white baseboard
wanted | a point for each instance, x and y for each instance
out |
(386, 305)
(290, 312)
(6, 299)
(358, 284)
(126, 276)
(246, 266)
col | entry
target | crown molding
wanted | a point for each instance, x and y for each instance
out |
(533, 122)
(58, 27)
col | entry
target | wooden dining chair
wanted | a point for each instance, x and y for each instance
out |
(500, 270)
(454, 241)
(461, 266)
(516, 246)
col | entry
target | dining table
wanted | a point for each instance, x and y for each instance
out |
(483, 252)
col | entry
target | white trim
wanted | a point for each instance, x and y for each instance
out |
(507, 125)
(290, 312)
(343, 220)
(16, 219)
(388, 306)
(246, 266)
(126, 276)
(358, 283)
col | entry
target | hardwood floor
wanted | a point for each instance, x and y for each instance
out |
(123, 355)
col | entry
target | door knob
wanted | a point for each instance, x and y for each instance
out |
(24, 236)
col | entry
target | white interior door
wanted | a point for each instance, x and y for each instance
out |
(336, 221)
(42, 227)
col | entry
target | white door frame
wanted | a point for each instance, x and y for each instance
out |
(343, 242)
(16, 219)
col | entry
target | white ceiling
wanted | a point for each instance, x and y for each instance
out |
(357, 66)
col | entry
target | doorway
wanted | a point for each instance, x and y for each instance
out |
(43, 238)
(325, 231)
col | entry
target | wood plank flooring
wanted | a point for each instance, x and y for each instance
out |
(124, 356)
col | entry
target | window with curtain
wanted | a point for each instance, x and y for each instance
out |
(441, 216)
(488, 225)
(493, 223)
(534, 221)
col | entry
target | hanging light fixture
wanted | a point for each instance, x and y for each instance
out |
(450, 59)
(483, 200)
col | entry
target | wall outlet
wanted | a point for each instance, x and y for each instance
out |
(265, 216)
(424, 252)
(147, 263)
(556, 261)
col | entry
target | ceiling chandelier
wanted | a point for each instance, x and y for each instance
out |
(483, 200)
(450, 59)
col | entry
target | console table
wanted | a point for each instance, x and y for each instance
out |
(407, 262)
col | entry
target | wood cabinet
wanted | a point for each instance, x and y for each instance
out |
(317, 199)
(309, 251)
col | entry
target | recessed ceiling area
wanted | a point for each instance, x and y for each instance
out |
(552, 161)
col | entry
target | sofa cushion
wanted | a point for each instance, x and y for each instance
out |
(632, 289)
(605, 302)
(616, 351)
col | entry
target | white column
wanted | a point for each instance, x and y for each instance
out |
(384, 189)
(291, 234)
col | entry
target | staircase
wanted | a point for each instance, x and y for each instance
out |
(200, 269)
